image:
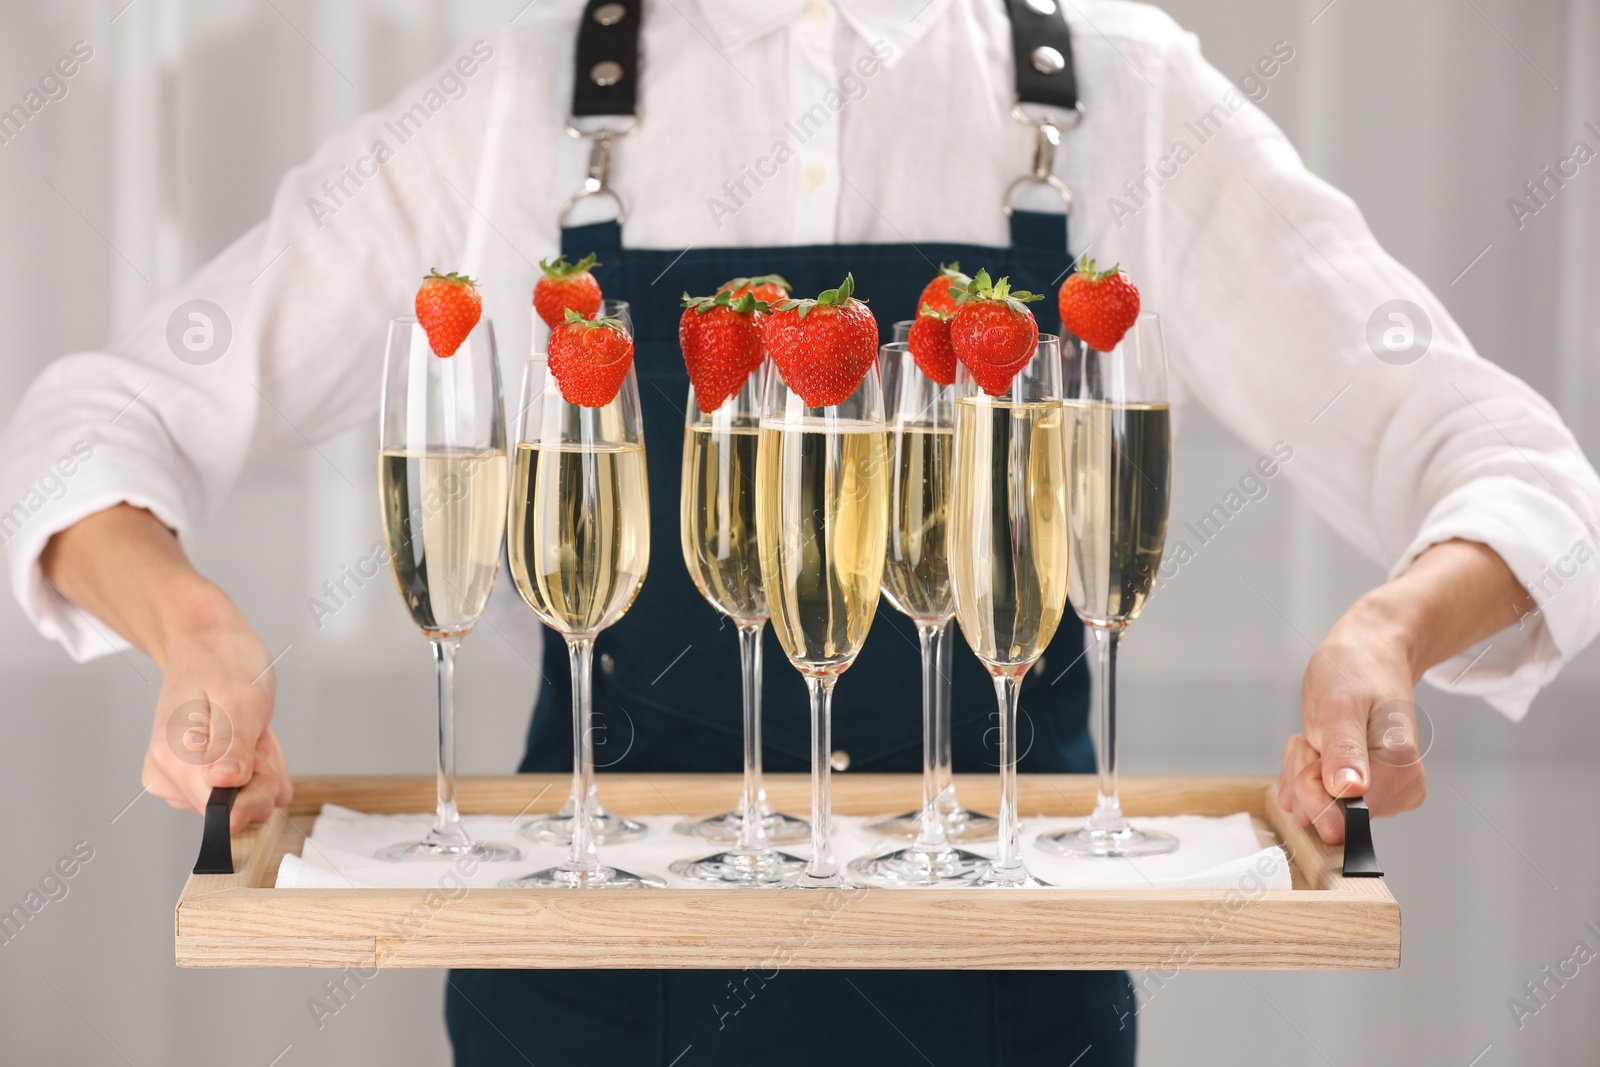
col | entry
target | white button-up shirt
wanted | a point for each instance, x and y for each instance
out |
(801, 121)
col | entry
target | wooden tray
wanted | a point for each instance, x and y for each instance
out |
(1327, 921)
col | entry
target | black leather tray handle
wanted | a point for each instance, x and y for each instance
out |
(1360, 861)
(216, 848)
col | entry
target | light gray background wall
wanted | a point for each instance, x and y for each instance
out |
(1429, 113)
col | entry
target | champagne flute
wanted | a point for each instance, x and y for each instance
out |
(821, 518)
(720, 550)
(579, 529)
(607, 828)
(916, 579)
(717, 524)
(442, 487)
(1008, 550)
(960, 824)
(1120, 477)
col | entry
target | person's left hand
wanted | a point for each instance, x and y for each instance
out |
(1361, 736)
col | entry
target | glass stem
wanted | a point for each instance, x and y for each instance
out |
(570, 808)
(1008, 860)
(580, 651)
(820, 866)
(752, 805)
(930, 835)
(1107, 806)
(446, 820)
(943, 773)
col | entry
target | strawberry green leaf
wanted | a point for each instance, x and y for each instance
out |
(560, 268)
(827, 298)
(1000, 292)
(460, 279)
(760, 279)
(575, 319)
(1087, 268)
(745, 305)
(841, 295)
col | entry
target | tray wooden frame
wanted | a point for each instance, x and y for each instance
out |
(1326, 921)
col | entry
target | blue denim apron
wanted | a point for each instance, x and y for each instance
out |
(666, 698)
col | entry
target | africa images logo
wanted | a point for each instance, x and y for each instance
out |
(1399, 332)
(199, 332)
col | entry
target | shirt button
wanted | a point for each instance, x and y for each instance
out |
(607, 664)
(817, 10)
(840, 760)
(811, 177)
(1038, 668)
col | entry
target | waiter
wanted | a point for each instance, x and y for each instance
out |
(718, 139)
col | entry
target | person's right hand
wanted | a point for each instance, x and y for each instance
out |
(212, 722)
(124, 567)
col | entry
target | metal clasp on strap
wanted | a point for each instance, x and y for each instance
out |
(598, 180)
(1046, 139)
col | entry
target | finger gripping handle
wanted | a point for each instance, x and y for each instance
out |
(216, 848)
(1360, 861)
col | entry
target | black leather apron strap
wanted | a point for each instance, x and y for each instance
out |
(1042, 45)
(606, 74)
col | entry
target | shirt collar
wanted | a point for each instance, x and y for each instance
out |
(898, 23)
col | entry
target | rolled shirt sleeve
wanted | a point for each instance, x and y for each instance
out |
(305, 296)
(1270, 277)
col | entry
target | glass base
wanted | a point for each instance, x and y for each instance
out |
(727, 828)
(810, 881)
(912, 868)
(1089, 842)
(608, 829)
(483, 851)
(740, 869)
(601, 877)
(960, 826)
(1017, 877)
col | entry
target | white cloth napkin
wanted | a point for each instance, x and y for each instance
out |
(1214, 853)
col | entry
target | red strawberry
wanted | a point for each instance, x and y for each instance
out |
(589, 359)
(1098, 306)
(993, 332)
(768, 288)
(936, 294)
(721, 342)
(930, 345)
(448, 307)
(823, 347)
(566, 285)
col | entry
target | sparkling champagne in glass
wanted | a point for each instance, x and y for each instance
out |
(916, 579)
(607, 827)
(821, 519)
(1009, 550)
(579, 529)
(442, 490)
(717, 519)
(1119, 463)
